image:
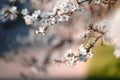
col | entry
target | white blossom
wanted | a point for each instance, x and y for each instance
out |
(24, 11)
(69, 56)
(83, 54)
(101, 25)
(54, 10)
(72, 7)
(52, 20)
(61, 4)
(41, 30)
(61, 12)
(35, 15)
(28, 19)
(82, 50)
(71, 61)
(38, 12)
(63, 18)
(13, 9)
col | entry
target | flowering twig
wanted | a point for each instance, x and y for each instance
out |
(84, 50)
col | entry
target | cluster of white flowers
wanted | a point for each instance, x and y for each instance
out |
(82, 55)
(30, 19)
(65, 6)
(100, 27)
(60, 13)
(13, 9)
(9, 12)
(85, 50)
(70, 57)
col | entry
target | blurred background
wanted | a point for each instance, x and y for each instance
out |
(22, 51)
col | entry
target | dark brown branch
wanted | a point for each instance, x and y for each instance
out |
(83, 1)
(112, 2)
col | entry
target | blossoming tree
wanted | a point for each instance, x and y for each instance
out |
(62, 12)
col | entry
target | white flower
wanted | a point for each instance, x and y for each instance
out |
(35, 15)
(63, 18)
(52, 20)
(24, 11)
(28, 19)
(65, 10)
(82, 50)
(59, 13)
(13, 9)
(101, 26)
(41, 30)
(69, 56)
(71, 61)
(54, 10)
(61, 4)
(84, 55)
(72, 7)
(38, 12)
